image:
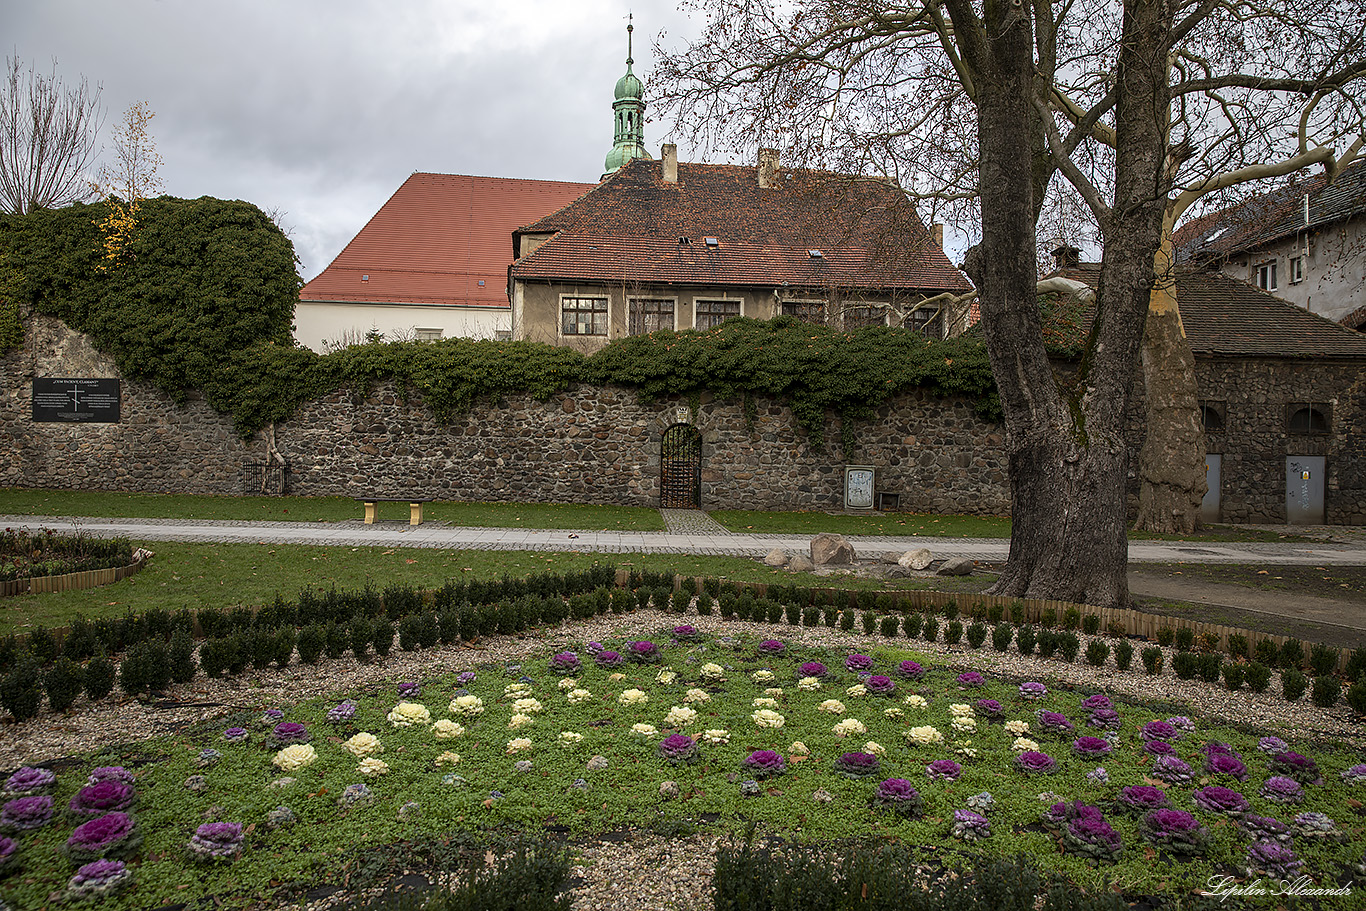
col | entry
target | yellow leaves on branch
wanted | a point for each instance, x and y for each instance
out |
(131, 178)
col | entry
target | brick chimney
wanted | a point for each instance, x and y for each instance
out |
(937, 234)
(768, 168)
(668, 162)
(1066, 256)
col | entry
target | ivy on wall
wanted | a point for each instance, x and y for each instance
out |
(206, 302)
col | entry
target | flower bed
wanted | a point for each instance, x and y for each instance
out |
(688, 727)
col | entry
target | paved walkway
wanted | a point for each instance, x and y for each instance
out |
(685, 537)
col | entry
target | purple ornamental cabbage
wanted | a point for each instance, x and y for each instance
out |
(1098, 775)
(857, 765)
(971, 679)
(771, 648)
(24, 813)
(1264, 828)
(288, 732)
(1218, 747)
(98, 879)
(944, 770)
(1216, 799)
(465, 678)
(565, 663)
(1092, 836)
(1316, 825)
(1098, 701)
(910, 670)
(9, 856)
(764, 764)
(1035, 762)
(607, 659)
(411, 689)
(1105, 719)
(1063, 812)
(687, 633)
(899, 796)
(1159, 748)
(1293, 765)
(678, 749)
(970, 826)
(1182, 723)
(1033, 690)
(1272, 745)
(1226, 764)
(1355, 775)
(1143, 798)
(1172, 770)
(102, 797)
(111, 835)
(1159, 730)
(29, 781)
(643, 652)
(1091, 747)
(858, 663)
(988, 708)
(1054, 722)
(271, 716)
(1273, 859)
(110, 773)
(880, 685)
(342, 711)
(217, 841)
(1175, 830)
(812, 669)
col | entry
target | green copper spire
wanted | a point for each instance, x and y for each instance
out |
(629, 114)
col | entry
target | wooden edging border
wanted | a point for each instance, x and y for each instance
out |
(67, 582)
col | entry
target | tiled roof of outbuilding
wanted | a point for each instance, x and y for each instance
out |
(1263, 219)
(1227, 317)
(437, 238)
(812, 230)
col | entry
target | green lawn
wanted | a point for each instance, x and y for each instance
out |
(36, 502)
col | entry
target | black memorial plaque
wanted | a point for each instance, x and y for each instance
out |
(67, 400)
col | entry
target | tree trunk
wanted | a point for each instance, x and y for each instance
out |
(1172, 461)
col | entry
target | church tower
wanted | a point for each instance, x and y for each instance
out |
(629, 116)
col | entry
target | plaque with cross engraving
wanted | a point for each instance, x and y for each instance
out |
(71, 400)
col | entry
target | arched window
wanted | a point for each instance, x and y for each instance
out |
(1212, 416)
(1307, 417)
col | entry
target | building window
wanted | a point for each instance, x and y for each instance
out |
(650, 315)
(1212, 416)
(926, 321)
(502, 335)
(1266, 276)
(714, 313)
(427, 335)
(1307, 417)
(1296, 269)
(806, 311)
(858, 317)
(584, 315)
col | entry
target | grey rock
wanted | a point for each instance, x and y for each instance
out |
(776, 557)
(899, 572)
(890, 556)
(522, 765)
(956, 566)
(916, 559)
(800, 564)
(829, 549)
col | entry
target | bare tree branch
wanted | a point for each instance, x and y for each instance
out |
(48, 135)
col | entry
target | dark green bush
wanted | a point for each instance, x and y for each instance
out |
(1356, 665)
(1292, 654)
(1001, 635)
(262, 646)
(1237, 645)
(995, 614)
(1186, 665)
(950, 610)
(63, 683)
(21, 689)
(1048, 643)
(336, 639)
(1017, 612)
(1025, 639)
(726, 604)
(1124, 654)
(930, 628)
(1152, 660)
(1235, 674)
(428, 630)
(1258, 677)
(1068, 645)
(1071, 619)
(312, 638)
(890, 625)
(911, 623)
(181, 654)
(1090, 624)
(448, 624)
(214, 655)
(79, 642)
(1096, 652)
(622, 602)
(1049, 618)
(1356, 697)
(282, 646)
(811, 615)
(1323, 659)
(528, 878)
(1267, 652)
(1165, 636)
(1293, 684)
(383, 636)
(706, 603)
(1211, 666)
(830, 615)
(1326, 691)
(99, 676)
(953, 631)
(869, 622)
(42, 644)
(1184, 639)
(145, 668)
(847, 620)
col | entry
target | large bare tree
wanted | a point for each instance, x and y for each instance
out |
(48, 138)
(977, 107)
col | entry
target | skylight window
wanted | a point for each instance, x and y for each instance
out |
(712, 241)
(814, 254)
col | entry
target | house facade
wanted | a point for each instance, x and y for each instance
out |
(1304, 243)
(673, 245)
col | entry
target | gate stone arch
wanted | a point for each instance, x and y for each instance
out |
(680, 468)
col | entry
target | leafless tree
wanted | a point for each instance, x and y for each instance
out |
(48, 136)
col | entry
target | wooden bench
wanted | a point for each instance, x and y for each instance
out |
(414, 507)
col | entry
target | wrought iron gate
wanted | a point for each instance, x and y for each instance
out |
(680, 461)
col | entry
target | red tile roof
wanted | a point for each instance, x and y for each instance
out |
(437, 238)
(635, 226)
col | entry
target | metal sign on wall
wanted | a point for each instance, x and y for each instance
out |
(71, 400)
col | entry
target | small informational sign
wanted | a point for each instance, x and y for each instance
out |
(76, 401)
(858, 487)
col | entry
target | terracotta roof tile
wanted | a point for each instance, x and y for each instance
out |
(437, 238)
(866, 231)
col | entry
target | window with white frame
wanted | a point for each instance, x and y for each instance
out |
(806, 311)
(649, 314)
(584, 315)
(1296, 269)
(427, 335)
(713, 313)
(1266, 276)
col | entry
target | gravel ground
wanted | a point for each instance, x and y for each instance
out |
(661, 873)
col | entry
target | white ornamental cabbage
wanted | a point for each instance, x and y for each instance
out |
(833, 706)
(696, 695)
(680, 716)
(519, 744)
(407, 714)
(469, 706)
(633, 697)
(362, 745)
(925, 735)
(767, 718)
(527, 706)
(578, 695)
(849, 726)
(445, 729)
(372, 767)
(294, 757)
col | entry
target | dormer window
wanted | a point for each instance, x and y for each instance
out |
(1266, 276)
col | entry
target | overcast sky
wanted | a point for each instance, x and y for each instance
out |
(321, 108)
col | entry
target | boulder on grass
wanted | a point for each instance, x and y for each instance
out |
(776, 557)
(956, 566)
(827, 549)
(799, 564)
(890, 556)
(916, 559)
